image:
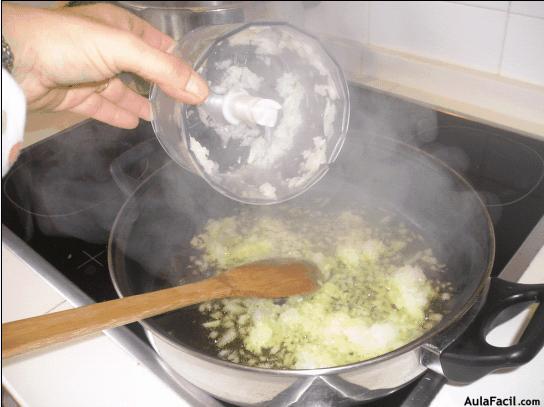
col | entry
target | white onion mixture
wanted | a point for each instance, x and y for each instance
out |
(267, 163)
(374, 296)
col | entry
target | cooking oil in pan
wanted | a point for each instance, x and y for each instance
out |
(382, 287)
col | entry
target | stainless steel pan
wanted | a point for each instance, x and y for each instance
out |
(433, 198)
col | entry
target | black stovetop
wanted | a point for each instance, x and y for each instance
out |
(61, 199)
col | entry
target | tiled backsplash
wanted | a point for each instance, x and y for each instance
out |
(498, 37)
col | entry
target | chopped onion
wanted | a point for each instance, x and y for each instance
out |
(374, 295)
(227, 338)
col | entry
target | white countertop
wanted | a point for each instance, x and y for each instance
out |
(92, 372)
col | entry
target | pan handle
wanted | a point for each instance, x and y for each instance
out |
(471, 357)
(132, 167)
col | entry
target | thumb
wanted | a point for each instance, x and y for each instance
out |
(175, 77)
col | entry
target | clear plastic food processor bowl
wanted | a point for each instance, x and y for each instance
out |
(276, 118)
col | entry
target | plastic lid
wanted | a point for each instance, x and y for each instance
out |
(277, 118)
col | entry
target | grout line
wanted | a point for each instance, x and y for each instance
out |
(497, 9)
(368, 22)
(516, 13)
(501, 58)
(478, 6)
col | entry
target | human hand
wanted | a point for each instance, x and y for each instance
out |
(68, 59)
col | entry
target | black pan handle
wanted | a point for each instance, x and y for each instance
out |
(132, 167)
(471, 357)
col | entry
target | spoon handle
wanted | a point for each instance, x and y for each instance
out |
(28, 334)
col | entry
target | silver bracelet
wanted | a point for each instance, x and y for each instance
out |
(7, 56)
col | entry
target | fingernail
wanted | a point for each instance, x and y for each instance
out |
(197, 86)
(171, 48)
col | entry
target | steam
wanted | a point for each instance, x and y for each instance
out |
(375, 167)
(63, 186)
(73, 186)
(378, 167)
(408, 181)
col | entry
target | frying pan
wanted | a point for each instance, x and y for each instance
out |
(150, 249)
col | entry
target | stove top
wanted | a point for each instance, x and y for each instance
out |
(61, 199)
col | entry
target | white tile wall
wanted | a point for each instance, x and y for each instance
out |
(445, 31)
(342, 19)
(499, 37)
(523, 56)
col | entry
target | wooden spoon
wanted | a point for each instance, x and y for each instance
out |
(264, 279)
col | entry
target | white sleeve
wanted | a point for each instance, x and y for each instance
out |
(13, 117)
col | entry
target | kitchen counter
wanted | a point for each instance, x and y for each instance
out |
(92, 372)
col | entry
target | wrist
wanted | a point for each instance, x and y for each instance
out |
(18, 23)
(10, 27)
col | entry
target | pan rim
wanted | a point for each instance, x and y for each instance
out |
(420, 341)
